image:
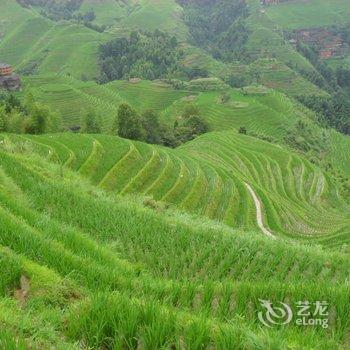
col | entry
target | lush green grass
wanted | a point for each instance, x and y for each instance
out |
(299, 200)
(107, 243)
(267, 113)
(310, 14)
(107, 12)
(165, 15)
(34, 44)
(340, 151)
(107, 271)
(72, 98)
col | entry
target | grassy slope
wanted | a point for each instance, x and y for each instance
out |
(100, 264)
(150, 15)
(310, 14)
(270, 114)
(36, 43)
(299, 200)
(92, 274)
(107, 11)
(71, 97)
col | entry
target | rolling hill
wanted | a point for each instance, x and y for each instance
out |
(122, 272)
(111, 243)
(299, 200)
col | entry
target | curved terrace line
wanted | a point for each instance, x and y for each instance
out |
(259, 217)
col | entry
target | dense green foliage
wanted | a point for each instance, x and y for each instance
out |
(30, 117)
(332, 111)
(109, 272)
(56, 9)
(142, 55)
(218, 26)
(147, 126)
(91, 123)
(129, 123)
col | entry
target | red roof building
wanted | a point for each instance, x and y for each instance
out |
(326, 54)
(5, 69)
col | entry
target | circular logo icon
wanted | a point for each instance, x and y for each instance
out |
(275, 315)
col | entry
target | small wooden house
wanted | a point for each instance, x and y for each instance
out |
(5, 69)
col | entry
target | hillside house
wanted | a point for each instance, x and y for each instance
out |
(269, 2)
(9, 80)
(5, 69)
(326, 54)
(327, 43)
(274, 2)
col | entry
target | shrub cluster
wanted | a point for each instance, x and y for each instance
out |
(143, 55)
(147, 127)
(30, 117)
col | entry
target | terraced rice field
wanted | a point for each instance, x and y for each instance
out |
(107, 12)
(150, 15)
(108, 243)
(34, 44)
(72, 98)
(340, 151)
(207, 177)
(294, 15)
(85, 267)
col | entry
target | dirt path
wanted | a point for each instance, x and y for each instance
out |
(259, 217)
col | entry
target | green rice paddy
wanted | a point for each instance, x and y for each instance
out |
(107, 243)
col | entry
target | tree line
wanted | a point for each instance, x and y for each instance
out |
(54, 9)
(29, 117)
(58, 10)
(218, 26)
(147, 55)
(332, 110)
(147, 127)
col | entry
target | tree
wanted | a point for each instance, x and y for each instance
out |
(39, 119)
(152, 127)
(15, 122)
(169, 139)
(237, 81)
(12, 102)
(91, 124)
(143, 54)
(190, 110)
(243, 130)
(197, 125)
(196, 72)
(129, 124)
(55, 124)
(191, 126)
(2, 119)
(225, 97)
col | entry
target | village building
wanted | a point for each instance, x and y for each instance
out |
(273, 2)
(269, 2)
(328, 44)
(9, 80)
(5, 69)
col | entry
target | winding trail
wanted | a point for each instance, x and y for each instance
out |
(259, 217)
